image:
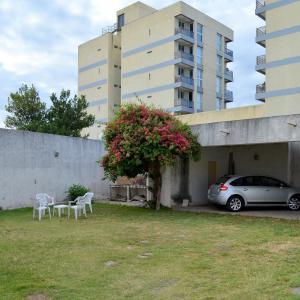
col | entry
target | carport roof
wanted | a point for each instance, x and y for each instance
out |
(267, 130)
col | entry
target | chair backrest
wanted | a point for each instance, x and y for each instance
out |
(42, 200)
(80, 201)
(88, 197)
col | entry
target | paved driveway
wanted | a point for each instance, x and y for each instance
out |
(276, 213)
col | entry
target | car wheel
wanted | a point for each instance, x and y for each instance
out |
(235, 203)
(294, 203)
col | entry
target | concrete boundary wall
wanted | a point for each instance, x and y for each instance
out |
(32, 163)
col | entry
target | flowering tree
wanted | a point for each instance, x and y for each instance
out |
(144, 139)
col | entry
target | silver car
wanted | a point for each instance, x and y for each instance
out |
(236, 192)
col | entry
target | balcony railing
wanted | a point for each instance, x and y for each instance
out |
(228, 52)
(184, 102)
(228, 74)
(184, 32)
(184, 55)
(228, 96)
(260, 11)
(260, 36)
(228, 55)
(261, 31)
(260, 4)
(261, 60)
(108, 29)
(261, 88)
(185, 79)
(260, 64)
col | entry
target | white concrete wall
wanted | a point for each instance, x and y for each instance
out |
(28, 165)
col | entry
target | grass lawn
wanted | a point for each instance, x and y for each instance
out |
(135, 253)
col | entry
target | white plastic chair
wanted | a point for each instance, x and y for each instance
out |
(50, 199)
(88, 200)
(41, 205)
(78, 207)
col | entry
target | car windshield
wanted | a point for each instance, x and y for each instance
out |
(222, 179)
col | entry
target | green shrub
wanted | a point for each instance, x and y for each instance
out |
(75, 191)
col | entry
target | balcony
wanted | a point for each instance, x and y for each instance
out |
(228, 75)
(185, 82)
(186, 58)
(183, 105)
(260, 64)
(260, 91)
(260, 9)
(228, 55)
(228, 96)
(185, 34)
(261, 36)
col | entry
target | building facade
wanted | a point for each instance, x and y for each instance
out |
(280, 36)
(175, 58)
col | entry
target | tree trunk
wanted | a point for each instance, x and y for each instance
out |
(155, 173)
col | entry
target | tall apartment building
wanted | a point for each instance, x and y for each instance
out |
(175, 58)
(281, 62)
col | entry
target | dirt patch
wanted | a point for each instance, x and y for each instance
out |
(38, 297)
(279, 248)
(164, 284)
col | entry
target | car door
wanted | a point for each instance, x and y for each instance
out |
(252, 190)
(276, 191)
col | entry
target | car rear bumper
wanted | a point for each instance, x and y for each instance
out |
(217, 199)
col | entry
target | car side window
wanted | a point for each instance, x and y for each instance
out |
(248, 181)
(237, 182)
(252, 181)
(268, 181)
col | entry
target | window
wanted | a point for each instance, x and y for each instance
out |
(180, 94)
(223, 180)
(219, 85)
(181, 25)
(219, 104)
(191, 50)
(191, 27)
(219, 63)
(199, 78)
(181, 48)
(251, 181)
(199, 55)
(121, 21)
(267, 181)
(190, 96)
(191, 73)
(199, 102)
(219, 42)
(199, 33)
(237, 182)
(180, 71)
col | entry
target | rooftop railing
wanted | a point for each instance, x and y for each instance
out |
(109, 29)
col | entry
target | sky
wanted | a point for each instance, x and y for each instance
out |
(39, 41)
